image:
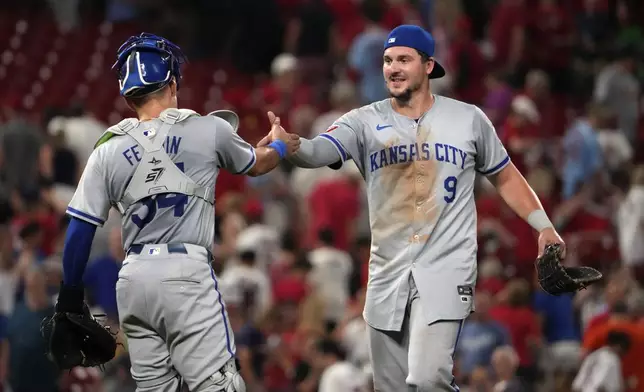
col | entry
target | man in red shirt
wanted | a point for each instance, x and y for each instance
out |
(522, 323)
(335, 204)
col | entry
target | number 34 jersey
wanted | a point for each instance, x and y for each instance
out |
(420, 177)
(198, 145)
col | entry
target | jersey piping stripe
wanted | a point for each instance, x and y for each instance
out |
(223, 313)
(251, 163)
(84, 216)
(458, 335)
(337, 144)
(497, 167)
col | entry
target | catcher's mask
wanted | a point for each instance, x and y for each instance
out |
(146, 63)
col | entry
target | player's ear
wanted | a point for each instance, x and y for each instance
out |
(429, 66)
(173, 88)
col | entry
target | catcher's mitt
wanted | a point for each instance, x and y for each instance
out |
(77, 339)
(556, 279)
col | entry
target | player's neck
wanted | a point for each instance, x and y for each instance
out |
(150, 110)
(416, 106)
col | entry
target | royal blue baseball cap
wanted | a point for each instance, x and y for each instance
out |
(415, 37)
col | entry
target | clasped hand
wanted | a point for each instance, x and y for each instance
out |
(278, 133)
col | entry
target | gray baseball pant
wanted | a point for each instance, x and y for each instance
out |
(419, 358)
(175, 321)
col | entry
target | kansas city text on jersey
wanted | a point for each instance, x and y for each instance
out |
(417, 152)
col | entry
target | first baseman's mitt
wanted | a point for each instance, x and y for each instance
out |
(556, 279)
(73, 336)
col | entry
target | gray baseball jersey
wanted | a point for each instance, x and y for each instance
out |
(420, 178)
(198, 145)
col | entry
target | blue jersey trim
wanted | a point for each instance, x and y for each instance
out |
(337, 144)
(85, 216)
(251, 163)
(223, 313)
(496, 168)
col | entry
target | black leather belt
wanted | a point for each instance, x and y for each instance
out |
(180, 248)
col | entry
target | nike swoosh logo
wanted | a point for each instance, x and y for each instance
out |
(381, 127)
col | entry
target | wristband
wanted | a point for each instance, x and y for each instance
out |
(539, 220)
(279, 146)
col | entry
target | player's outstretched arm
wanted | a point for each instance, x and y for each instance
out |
(520, 197)
(283, 145)
(312, 153)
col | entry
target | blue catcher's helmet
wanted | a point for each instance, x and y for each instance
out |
(147, 63)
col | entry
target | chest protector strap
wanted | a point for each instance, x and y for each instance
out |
(156, 173)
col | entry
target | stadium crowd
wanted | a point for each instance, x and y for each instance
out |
(560, 80)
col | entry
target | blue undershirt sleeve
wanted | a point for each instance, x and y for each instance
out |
(78, 243)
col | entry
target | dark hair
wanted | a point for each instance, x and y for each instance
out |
(247, 256)
(424, 57)
(326, 236)
(620, 308)
(302, 263)
(620, 339)
(328, 346)
(289, 242)
(138, 102)
(29, 230)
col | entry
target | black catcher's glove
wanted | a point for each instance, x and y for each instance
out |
(556, 279)
(73, 336)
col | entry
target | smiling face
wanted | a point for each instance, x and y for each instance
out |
(405, 71)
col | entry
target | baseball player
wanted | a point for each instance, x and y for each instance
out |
(419, 154)
(159, 170)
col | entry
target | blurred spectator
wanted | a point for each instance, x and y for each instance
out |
(101, 275)
(336, 204)
(245, 285)
(508, 34)
(285, 91)
(594, 25)
(490, 276)
(30, 207)
(467, 65)
(498, 98)
(617, 289)
(520, 131)
(351, 332)
(582, 153)
(330, 275)
(480, 337)
(24, 153)
(632, 362)
(231, 225)
(342, 98)
(26, 346)
(79, 131)
(551, 26)
(259, 238)
(618, 89)
(292, 286)
(616, 148)
(602, 370)
(630, 223)
(338, 374)
(505, 362)
(365, 54)
(515, 314)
